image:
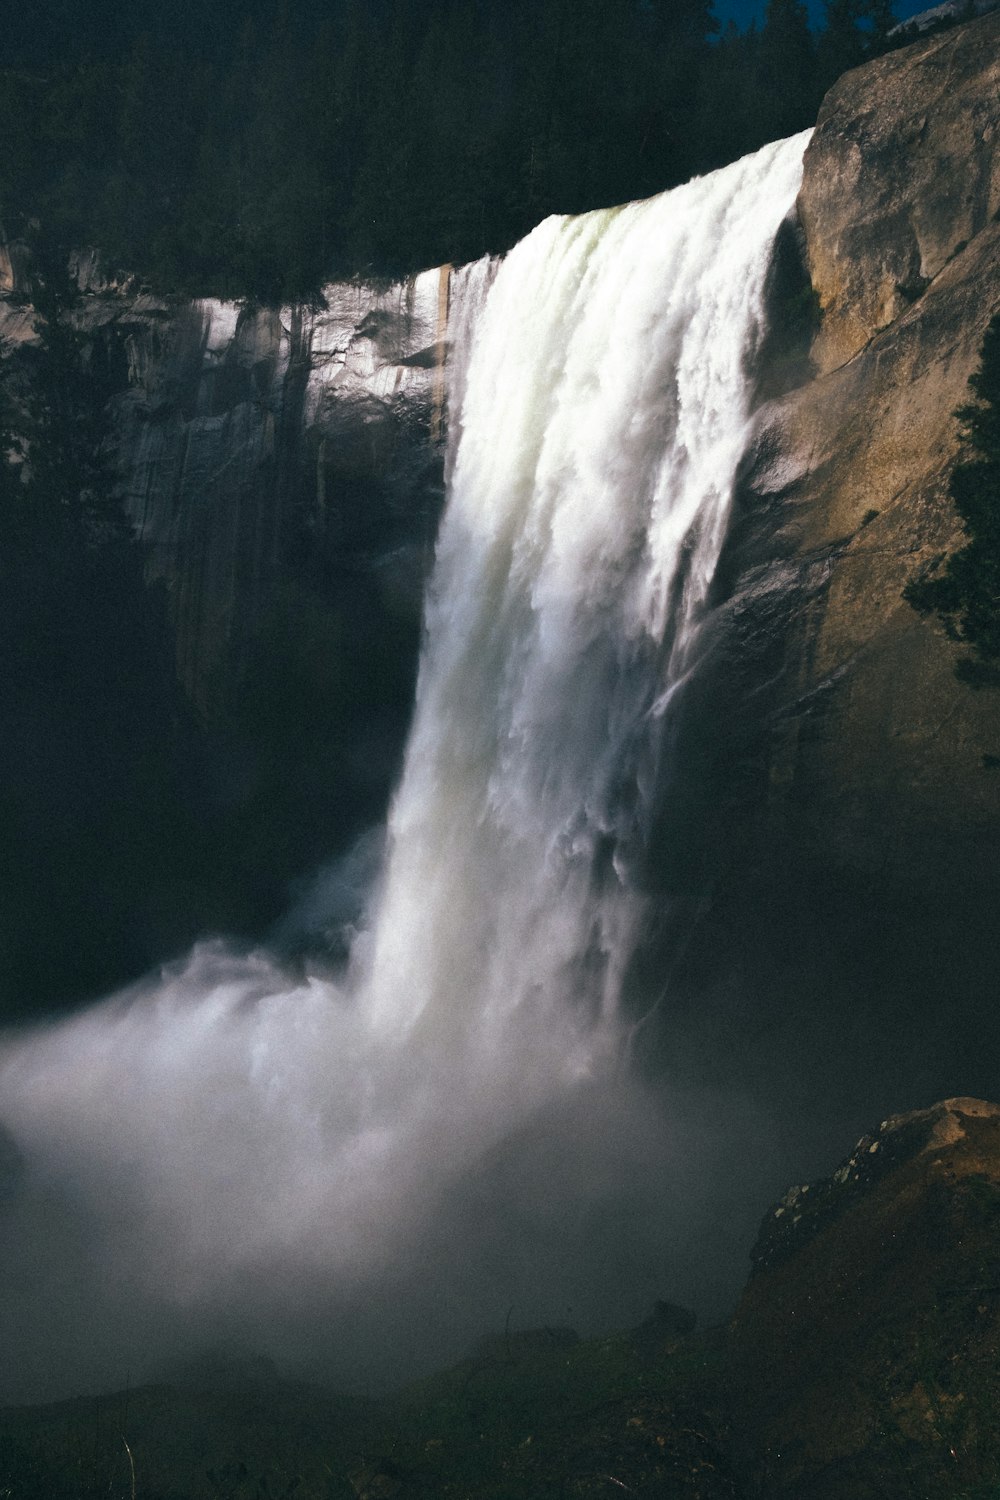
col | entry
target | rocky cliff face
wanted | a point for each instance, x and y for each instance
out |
(284, 470)
(240, 430)
(853, 828)
(899, 212)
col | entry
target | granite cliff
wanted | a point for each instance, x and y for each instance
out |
(899, 215)
(853, 825)
(239, 429)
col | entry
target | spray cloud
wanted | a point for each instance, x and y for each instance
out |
(356, 1174)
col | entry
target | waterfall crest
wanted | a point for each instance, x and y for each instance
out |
(603, 416)
(233, 1151)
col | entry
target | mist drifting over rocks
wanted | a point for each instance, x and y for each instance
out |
(356, 1171)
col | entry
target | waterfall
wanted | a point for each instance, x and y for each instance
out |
(233, 1151)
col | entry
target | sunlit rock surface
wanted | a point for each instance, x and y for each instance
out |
(853, 827)
(877, 749)
(901, 176)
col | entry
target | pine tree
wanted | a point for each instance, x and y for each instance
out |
(787, 80)
(854, 30)
(842, 44)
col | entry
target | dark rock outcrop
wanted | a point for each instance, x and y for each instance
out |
(15, 260)
(864, 1348)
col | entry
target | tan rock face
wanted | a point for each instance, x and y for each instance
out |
(876, 749)
(900, 754)
(902, 173)
(849, 944)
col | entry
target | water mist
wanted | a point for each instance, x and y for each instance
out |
(356, 1176)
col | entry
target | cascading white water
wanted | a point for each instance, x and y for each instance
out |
(243, 1148)
(604, 414)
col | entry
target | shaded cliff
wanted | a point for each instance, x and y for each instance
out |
(246, 434)
(284, 473)
(242, 432)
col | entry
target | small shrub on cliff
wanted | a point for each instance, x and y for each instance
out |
(966, 595)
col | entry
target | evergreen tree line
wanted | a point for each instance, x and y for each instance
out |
(379, 136)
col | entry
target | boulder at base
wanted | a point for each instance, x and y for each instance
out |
(865, 1347)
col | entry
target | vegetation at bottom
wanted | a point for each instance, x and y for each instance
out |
(536, 1417)
(290, 143)
(965, 593)
(532, 1417)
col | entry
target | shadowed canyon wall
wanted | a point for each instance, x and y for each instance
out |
(241, 432)
(284, 471)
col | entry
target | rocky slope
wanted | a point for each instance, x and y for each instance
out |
(865, 1344)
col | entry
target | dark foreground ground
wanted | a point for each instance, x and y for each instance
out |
(863, 1363)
